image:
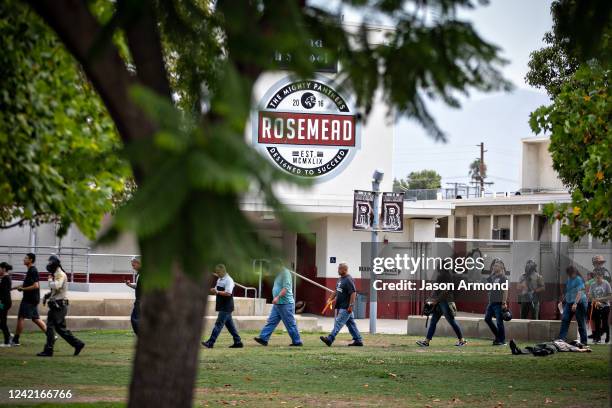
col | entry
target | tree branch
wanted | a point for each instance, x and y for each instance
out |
(78, 29)
(146, 51)
(16, 223)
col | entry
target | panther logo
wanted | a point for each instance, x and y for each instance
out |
(308, 100)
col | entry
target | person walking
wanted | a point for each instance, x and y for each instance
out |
(283, 307)
(600, 294)
(531, 285)
(498, 302)
(224, 305)
(28, 309)
(345, 296)
(57, 302)
(5, 301)
(575, 303)
(135, 316)
(444, 305)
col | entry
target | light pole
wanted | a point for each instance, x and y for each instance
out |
(376, 179)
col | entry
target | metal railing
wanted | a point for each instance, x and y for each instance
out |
(258, 266)
(246, 289)
(77, 262)
(297, 275)
(260, 263)
(421, 194)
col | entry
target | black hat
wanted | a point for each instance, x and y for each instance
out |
(54, 259)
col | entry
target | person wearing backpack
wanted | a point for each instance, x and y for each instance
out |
(444, 301)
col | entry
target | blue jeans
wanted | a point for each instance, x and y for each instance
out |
(495, 309)
(345, 318)
(581, 312)
(285, 313)
(135, 317)
(224, 319)
(445, 310)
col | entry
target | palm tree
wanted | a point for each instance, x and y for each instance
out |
(474, 172)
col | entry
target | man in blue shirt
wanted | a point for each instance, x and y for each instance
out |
(575, 303)
(283, 307)
(344, 296)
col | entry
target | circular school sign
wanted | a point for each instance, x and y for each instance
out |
(307, 128)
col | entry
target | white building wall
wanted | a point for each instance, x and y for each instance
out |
(537, 166)
(345, 244)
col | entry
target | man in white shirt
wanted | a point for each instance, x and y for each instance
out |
(225, 306)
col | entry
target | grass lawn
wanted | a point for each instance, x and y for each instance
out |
(391, 371)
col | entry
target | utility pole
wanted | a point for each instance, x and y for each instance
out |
(377, 178)
(482, 167)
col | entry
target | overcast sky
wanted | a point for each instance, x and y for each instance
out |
(499, 120)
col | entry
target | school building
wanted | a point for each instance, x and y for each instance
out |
(311, 128)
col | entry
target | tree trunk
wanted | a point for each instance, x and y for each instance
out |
(166, 362)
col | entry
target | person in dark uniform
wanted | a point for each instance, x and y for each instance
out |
(28, 309)
(225, 306)
(5, 301)
(58, 308)
(344, 296)
(444, 305)
(135, 316)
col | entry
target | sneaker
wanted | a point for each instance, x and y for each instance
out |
(326, 340)
(356, 343)
(46, 353)
(15, 343)
(207, 344)
(596, 341)
(5, 345)
(260, 341)
(237, 345)
(78, 348)
(499, 343)
(461, 343)
(296, 344)
(423, 343)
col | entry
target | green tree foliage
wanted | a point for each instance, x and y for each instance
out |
(181, 95)
(580, 143)
(551, 66)
(59, 146)
(424, 179)
(580, 32)
(574, 69)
